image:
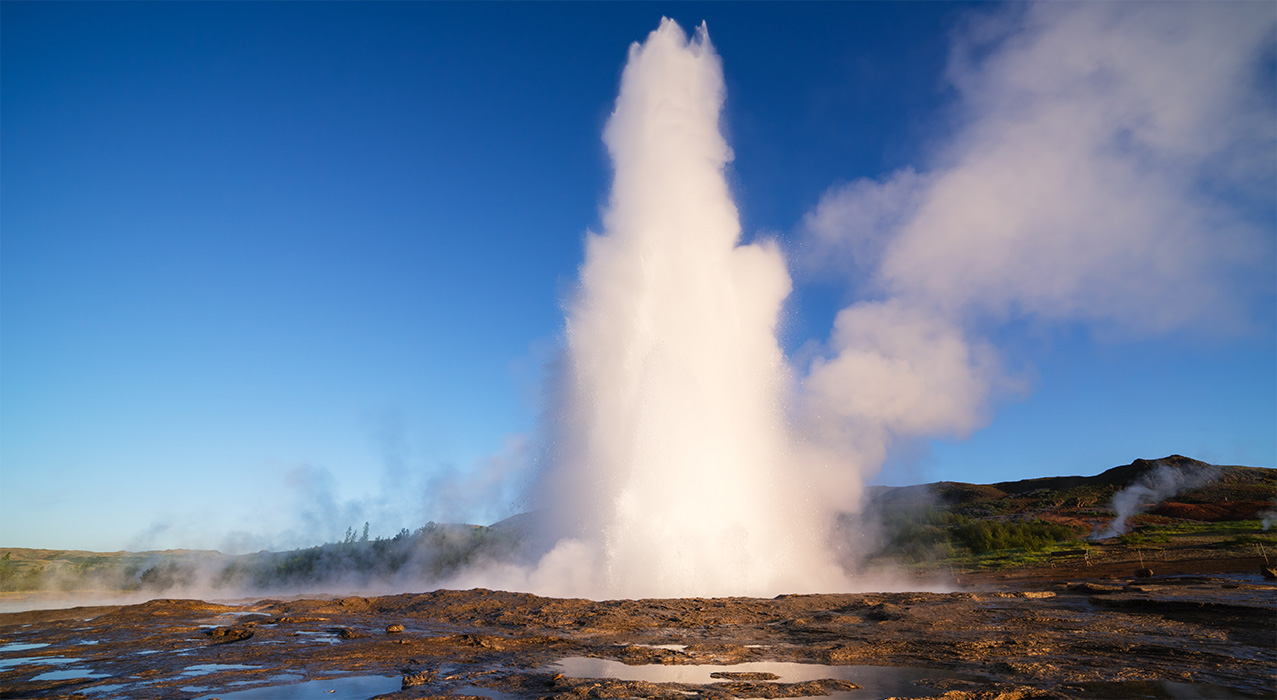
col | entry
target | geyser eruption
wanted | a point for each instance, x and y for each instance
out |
(673, 465)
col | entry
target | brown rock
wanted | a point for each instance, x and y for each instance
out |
(1088, 587)
(225, 635)
(416, 678)
(883, 612)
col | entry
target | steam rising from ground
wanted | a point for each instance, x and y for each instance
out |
(1151, 488)
(674, 471)
(1111, 166)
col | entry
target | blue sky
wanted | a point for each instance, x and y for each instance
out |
(271, 270)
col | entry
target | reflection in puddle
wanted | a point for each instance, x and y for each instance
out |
(16, 646)
(34, 661)
(277, 678)
(875, 681)
(1199, 691)
(201, 669)
(104, 688)
(351, 688)
(69, 674)
(480, 691)
(325, 637)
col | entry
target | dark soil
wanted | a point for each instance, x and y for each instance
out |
(1198, 627)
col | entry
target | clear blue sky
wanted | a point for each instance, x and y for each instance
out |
(271, 270)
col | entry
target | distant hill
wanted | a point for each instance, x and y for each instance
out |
(1085, 496)
(1176, 495)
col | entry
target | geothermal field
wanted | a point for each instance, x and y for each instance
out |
(701, 524)
(1182, 605)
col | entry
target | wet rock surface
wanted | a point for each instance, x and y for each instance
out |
(1168, 636)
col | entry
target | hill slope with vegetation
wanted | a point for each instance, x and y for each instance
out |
(1154, 506)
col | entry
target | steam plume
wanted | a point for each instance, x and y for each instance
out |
(1106, 169)
(1153, 486)
(670, 468)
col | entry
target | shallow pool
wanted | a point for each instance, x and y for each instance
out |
(874, 681)
(349, 688)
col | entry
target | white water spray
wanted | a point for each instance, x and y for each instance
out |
(674, 470)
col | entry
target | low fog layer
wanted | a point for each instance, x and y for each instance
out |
(940, 528)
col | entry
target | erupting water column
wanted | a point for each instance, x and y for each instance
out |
(674, 464)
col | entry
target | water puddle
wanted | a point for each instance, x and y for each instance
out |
(109, 688)
(350, 688)
(69, 674)
(18, 646)
(6, 664)
(275, 679)
(324, 637)
(482, 692)
(874, 681)
(1199, 691)
(201, 669)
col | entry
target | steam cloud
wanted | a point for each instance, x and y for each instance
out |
(672, 472)
(1109, 167)
(1151, 488)
(1106, 171)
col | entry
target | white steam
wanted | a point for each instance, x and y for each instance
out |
(673, 469)
(1112, 166)
(1109, 166)
(1153, 487)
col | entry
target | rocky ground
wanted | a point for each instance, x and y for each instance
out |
(1196, 628)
